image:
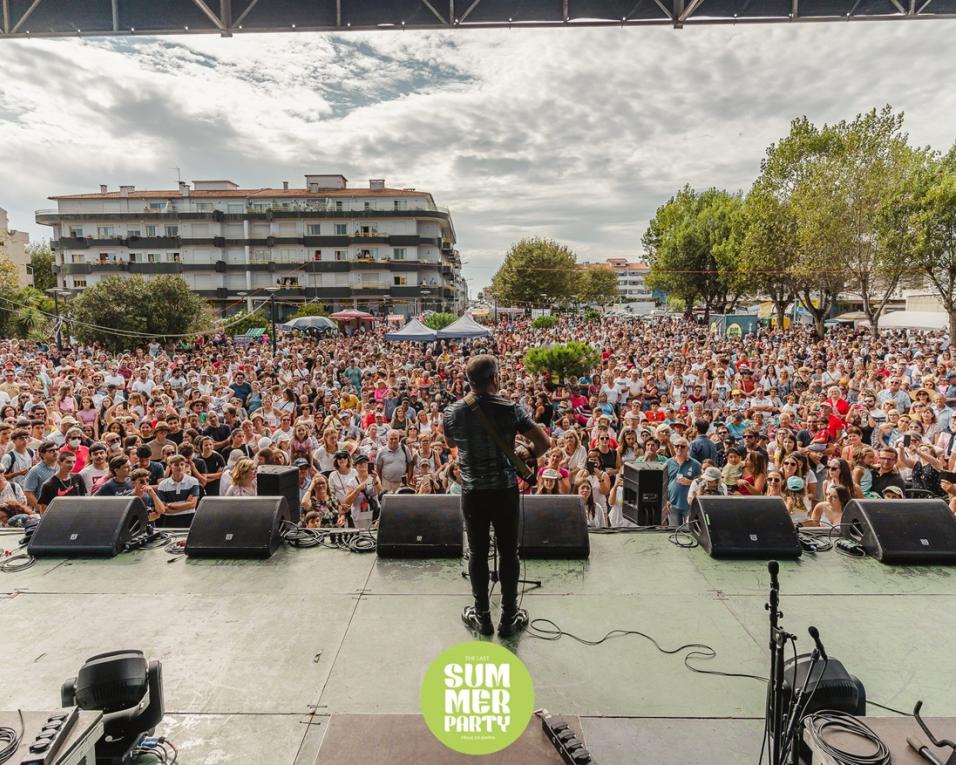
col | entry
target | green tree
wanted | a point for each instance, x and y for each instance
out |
(597, 283)
(564, 360)
(31, 319)
(693, 248)
(9, 287)
(768, 248)
(438, 321)
(545, 322)
(121, 312)
(536, 273)
(241, 322)
(932, 215)
(310, 309)
(41, 265)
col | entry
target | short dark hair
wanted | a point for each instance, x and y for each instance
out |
(481, 370)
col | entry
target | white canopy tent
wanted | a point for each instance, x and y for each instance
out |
(463, 328)
(414, 332)
(915, 320)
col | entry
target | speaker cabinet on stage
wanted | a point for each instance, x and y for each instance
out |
(553, 526)
(94, 526)
(645, 490)
(902, 530)
(280, 481)
(420, 526)
(237, 527)
(744, 527)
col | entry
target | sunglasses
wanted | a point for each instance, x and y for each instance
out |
(774, 480)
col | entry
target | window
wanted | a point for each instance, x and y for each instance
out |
(172, 230)
(77, 257)
(203, 206)
(401, 204)
(150, 230)
(338, 205)
(79, 283)
(151, 257)
(132, 257)
(400, 281)
(104, 232)
(398, 253)
(133, 232)
(341, 255)
(368, 205)
(76, 232)
(172, 257)
(313, 229)
(318, 255)
(235, 207)
(341, 229)
(156, 205)
(289, 281)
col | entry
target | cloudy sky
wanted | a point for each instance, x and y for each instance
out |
(575, 134)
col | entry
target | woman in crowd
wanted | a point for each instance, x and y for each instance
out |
(754, 478)
(595, 512)
(342, 481)
(864, 462)
(242, 479)
(840, 474)
(829, 512)
(628, 449)
(575, 454)
(548, 482)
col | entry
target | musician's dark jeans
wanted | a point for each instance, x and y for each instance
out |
(483, 509)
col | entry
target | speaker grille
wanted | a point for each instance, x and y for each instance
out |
(94, 526)
(902, 531)
(744, 527)
(237, 527)
(553, 526)
(420, 526)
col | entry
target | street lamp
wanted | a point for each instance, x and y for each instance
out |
(272, 305)
(56, 292)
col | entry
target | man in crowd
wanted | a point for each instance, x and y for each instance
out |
(63, 483)
(681, 469)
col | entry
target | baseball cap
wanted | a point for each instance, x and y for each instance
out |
(300, 463)
(360, 459)
(551, 473)
(795, 483)
(895, 491)
(712, 474)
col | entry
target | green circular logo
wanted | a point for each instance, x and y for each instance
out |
(477, 698)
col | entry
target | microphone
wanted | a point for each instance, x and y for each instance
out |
(774, 568)
(815, 634)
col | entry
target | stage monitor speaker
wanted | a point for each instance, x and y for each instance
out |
(902, 530)
(553, 526)
(280, 481)
(645, 491)
(93, 526)
(420, 526)
(744, 527)
(237, 527)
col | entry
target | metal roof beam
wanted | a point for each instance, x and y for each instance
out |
(25, 16)
(694, 5)
(201, 5)
(115, 12)
(436, 13)
(923, 6)
(664, 9)
(6, 16)
(474, 5)
(225, 14)
(246, 12)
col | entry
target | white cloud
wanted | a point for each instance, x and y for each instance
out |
(576, 134)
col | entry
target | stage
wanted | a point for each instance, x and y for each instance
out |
(257, 655)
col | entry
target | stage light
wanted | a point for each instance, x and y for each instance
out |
(129, 693)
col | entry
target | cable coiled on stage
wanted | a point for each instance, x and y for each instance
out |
(819, 724)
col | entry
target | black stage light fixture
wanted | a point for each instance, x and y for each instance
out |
(128, 690)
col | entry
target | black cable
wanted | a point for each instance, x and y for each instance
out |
(683, 530)
(695, 651)
(10, 739)
(821, 723)
(17, 563)
(889, 709)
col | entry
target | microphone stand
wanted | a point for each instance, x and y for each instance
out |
(778, 642)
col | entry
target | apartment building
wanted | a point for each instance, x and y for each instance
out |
(630, 278)
(374, 248)
(13, 245)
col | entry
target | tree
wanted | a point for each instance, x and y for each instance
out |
(597, 283)
(31, 319)
(536, 273)
(438, 321)
(932, 215)
(241, 322)
(121, 312)
(41, 266)
(565, 360)
(310, 309)
(693, 248)
(868, 179)
(768, 248)
(545, 322)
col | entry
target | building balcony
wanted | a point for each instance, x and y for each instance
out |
(50, 217)
(156, 268)
(154, 242)
(72, 243)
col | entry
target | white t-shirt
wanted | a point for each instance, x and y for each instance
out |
(340, 485)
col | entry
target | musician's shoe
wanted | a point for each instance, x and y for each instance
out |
(512, 622)
(478, 621)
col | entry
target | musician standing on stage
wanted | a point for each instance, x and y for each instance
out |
(489, 491)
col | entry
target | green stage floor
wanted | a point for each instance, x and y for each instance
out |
(257, 654)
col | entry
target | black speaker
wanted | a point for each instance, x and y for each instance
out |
(74, 526)
(280, 481)
(421, 526)
(237, 527)
(744, 527)
(645, 491)
(553, 526)
(902, 530)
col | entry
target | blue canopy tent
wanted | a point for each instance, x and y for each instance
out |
(463, 328)
(413, 332)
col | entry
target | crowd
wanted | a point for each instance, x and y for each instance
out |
(779, 413)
